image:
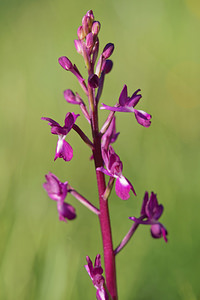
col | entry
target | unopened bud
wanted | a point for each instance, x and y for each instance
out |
(78, 46)
(108, 50)
(81, 33)
(70, 97)
(96, 27)
(93, 81)
(86, 24)
(107, 66)
(65, 63)
(90, 14)
(89, 40)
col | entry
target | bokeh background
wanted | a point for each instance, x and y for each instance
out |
(157, 49)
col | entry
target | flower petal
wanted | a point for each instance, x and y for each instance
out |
(142, 118)
(123, 96)
(51, 121)
(158, 231)
(63, 150)
(56, 190)
(70, 119)
(144, 203)
(117, 108)
(66, 211)
(101, 294)
(123, 187)
(133, 101)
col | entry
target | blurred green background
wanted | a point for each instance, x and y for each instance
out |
(157, 49)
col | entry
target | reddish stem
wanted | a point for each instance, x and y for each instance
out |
(104, 218)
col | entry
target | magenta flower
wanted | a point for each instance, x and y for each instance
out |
(95, 274)
(63, 149)
(57, 191)
(151, 211)
(127, 104)
(114, 169)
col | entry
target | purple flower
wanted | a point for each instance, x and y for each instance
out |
(114, 169)
(95, 274)
(127, 104)
(57, 191)
(151, 211)
(63, 149)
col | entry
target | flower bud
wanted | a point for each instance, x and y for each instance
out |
(70, 97)
(93, 81)
(96, 27)
(90, 15)
(78, 46)
(108, 50)
(86, 23)
(107, 66)
(65, 63)
(89, 40)
(80, 33)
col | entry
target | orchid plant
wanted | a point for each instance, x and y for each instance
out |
(105, 159)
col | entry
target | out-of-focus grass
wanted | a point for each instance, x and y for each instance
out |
(157, 50)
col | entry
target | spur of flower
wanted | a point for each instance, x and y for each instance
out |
(127, 104)
(151, 212)
(57, 191)
(95, 273)
(63, 149)
(113, 169)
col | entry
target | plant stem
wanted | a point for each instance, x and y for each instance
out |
(104, 218)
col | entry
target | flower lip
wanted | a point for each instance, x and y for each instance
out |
(66, 211)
